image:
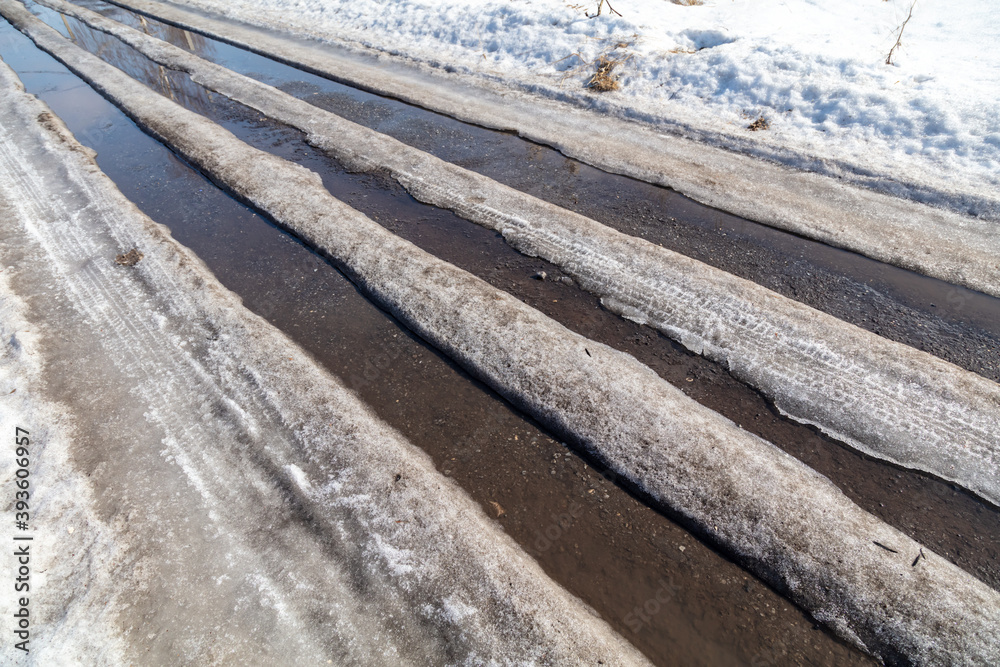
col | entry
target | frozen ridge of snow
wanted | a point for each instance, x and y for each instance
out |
(204, 493)
(882, 397)
(814, 70)
(783, 520)
(941, 242)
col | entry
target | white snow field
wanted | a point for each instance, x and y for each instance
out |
(193, 471)
(786, 522)
(814, 69)
(885, 398)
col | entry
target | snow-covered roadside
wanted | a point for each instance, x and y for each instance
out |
(789, 524)
(815, 71)
(945, 244)
(203, 491)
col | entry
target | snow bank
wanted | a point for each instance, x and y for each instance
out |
(205, 492)
(786, 522)
(815, 70)
(870, 219)
(885, 398)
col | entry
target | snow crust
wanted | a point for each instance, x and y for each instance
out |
(885, 398)
(230, 502)
(786, 522)
(815, 70)
(859, 209)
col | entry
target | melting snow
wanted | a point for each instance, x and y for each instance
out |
(815, 70)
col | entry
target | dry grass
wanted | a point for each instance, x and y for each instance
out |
(688, 3)
(600, 6)
(899, 37)
(605, 79)
(607, 66)
(760, 124)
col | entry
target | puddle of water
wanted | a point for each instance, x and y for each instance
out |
(687, 606)
(954, 323)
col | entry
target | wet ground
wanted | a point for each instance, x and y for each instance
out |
(675, 598)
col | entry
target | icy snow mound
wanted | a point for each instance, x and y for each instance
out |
(882, 397)
(227, 501)
(815, 70)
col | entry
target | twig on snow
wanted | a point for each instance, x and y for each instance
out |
(600, 5)
(879, 544)
(899, 37)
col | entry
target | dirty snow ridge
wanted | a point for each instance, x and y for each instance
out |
(881, 397)
(312, 474)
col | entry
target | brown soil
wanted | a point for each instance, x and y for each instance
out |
(130, 258)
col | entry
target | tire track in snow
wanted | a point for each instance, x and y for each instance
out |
(229, 528)
(883, 398)
(141, 354)
(787, 523)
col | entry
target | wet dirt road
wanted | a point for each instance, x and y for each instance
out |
(677, 600)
